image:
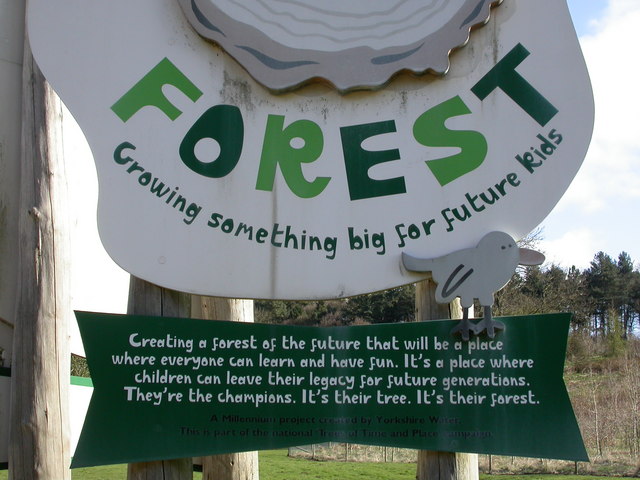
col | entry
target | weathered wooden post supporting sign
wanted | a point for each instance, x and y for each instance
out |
(297, 151)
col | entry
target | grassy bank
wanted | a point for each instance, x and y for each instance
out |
(276, 465)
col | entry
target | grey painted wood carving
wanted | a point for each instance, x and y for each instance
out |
(352, 45)
(475, 273)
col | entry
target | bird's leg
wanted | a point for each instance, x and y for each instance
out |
(489, 324)
(464, 326)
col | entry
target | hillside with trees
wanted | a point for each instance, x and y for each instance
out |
(602, 370)
(603, 357)
(604, 300)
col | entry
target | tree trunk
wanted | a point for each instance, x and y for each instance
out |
(233, 466)
(441, 465)
(215, 308)
(148, 299)
(39, 431)
(596, 420)
(180, 469)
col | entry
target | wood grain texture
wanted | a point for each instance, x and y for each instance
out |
(441, 465)
(232, 466)
(447, 466)
(218, 308)
(181, 469)
(39, 431)
(148, 299)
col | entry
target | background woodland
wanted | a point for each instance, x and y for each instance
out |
(602, 370)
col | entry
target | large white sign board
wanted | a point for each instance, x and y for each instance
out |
(211, 183)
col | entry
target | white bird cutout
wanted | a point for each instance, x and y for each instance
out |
(475, 273)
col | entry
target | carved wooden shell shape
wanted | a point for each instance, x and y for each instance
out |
(359, 44)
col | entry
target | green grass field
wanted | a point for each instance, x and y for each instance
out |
(276, 465)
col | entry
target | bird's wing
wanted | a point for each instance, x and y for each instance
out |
(456, 283)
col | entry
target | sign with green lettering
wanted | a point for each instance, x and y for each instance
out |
(238, 181)
(167, 388)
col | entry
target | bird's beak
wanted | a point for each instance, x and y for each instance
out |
(530, 257)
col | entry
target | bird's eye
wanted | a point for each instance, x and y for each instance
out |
(503, 247)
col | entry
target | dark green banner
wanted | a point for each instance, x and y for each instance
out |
(172, 388)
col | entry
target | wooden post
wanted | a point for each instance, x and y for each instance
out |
(11, 66)
(39, 431)
(441, 465)
(233, 466)
(148, 299)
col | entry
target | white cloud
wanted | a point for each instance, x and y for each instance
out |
(574, 248)
(598, 211)
(611, 172)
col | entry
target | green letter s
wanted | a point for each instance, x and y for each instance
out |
(430, 131)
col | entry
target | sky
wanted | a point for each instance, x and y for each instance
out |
(597, 213)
